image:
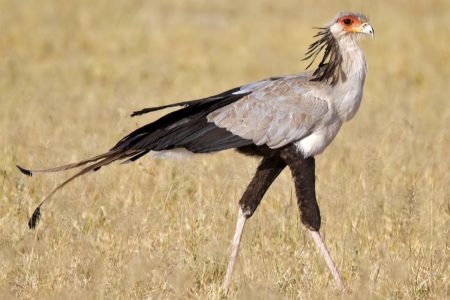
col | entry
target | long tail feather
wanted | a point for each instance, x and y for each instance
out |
(106, 161)
(29, 172)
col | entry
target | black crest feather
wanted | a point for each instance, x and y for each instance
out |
(330, 67)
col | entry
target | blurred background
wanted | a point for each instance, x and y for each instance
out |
(71, 72)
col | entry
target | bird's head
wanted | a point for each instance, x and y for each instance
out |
(350, 24)
(343, 30)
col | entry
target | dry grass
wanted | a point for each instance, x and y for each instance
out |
(72, 71)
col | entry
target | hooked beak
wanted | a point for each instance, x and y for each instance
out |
(367, 29)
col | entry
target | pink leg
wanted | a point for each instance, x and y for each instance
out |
(234, 249)
(325, 254)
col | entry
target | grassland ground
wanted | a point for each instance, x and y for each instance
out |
(72, 71)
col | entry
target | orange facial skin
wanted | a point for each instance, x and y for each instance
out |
(350, 23)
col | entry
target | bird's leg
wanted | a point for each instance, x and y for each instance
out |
(326, 255)
(234, 249)
(303, 172)
(266, 173)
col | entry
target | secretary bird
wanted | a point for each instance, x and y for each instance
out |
(285, 121)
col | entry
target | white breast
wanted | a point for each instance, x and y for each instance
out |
(316, 142)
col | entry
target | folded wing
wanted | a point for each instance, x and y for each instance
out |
(278, 114)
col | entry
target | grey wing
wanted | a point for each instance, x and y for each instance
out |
(268, 119)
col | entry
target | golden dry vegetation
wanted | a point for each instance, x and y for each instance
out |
(72, 71)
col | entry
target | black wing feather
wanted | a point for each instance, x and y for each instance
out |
(186, 128)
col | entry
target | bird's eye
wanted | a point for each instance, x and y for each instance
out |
(348, 21)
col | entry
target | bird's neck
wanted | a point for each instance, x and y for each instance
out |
(348, 90)
(353, 66)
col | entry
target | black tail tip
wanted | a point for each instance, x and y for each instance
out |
(34, 220)
(24, 171)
